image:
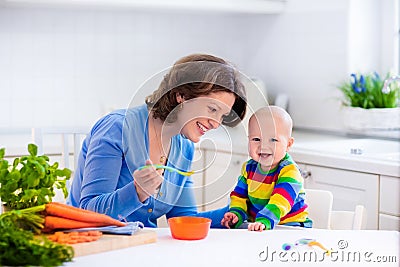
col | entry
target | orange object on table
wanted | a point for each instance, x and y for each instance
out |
(189, 228)
(75, 237)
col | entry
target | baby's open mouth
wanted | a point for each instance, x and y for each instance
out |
(264, 155)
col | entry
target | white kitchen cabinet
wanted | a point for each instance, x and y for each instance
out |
(237, 6)
(222, 170)
(389, 222)
(349, 188)
(389, 203)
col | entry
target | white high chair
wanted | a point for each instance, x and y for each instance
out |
(320, 211)
(319, 207)
(349, 220)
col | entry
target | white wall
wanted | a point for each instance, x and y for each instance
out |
(68, 66)
(63, 67)
(314, 45)
(304, 55)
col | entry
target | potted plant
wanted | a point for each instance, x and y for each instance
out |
(367, 106)
(31, 180)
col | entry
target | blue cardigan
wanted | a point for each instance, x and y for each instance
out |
(103, 181)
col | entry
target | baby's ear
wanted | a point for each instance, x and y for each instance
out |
(290, 143)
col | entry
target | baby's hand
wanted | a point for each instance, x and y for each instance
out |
(229, 219)
(256, 226)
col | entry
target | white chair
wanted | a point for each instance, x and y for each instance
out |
(319, 207)
(57, 142)
(349, 220)
(162, 222)
(60, 145)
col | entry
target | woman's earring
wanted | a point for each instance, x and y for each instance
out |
(181, 105)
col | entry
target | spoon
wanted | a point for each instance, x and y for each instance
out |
(168, 168)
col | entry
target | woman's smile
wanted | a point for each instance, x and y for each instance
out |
(202, 127)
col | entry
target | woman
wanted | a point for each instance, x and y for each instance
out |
(198, 94)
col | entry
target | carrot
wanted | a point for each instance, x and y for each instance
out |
(83, 238)
(75, 237)
(78, 214)
(54, 223)
(94, 233)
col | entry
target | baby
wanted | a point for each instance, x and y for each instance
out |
(270, 189)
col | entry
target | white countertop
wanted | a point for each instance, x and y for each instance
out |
(377, 156)
(223, 247)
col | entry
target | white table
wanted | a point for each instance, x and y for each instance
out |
(244, 248)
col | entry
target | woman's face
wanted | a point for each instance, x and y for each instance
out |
(201, 114)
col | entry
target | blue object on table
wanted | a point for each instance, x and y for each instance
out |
(129, 229)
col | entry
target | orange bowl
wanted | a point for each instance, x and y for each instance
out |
(189, 228)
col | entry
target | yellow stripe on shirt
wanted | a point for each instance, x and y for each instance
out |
(238, 203)
(282, 203)
(292, 172)
(260, 190)
(301, 217)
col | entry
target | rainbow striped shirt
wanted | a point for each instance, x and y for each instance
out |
(273, 197)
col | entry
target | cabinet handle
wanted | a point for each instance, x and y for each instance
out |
(236, 162)
(305, 174)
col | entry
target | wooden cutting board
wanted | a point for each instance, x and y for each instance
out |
(112, 242)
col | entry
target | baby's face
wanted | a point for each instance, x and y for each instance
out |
(268, 141)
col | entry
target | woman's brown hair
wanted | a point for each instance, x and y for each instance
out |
(198, 75)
